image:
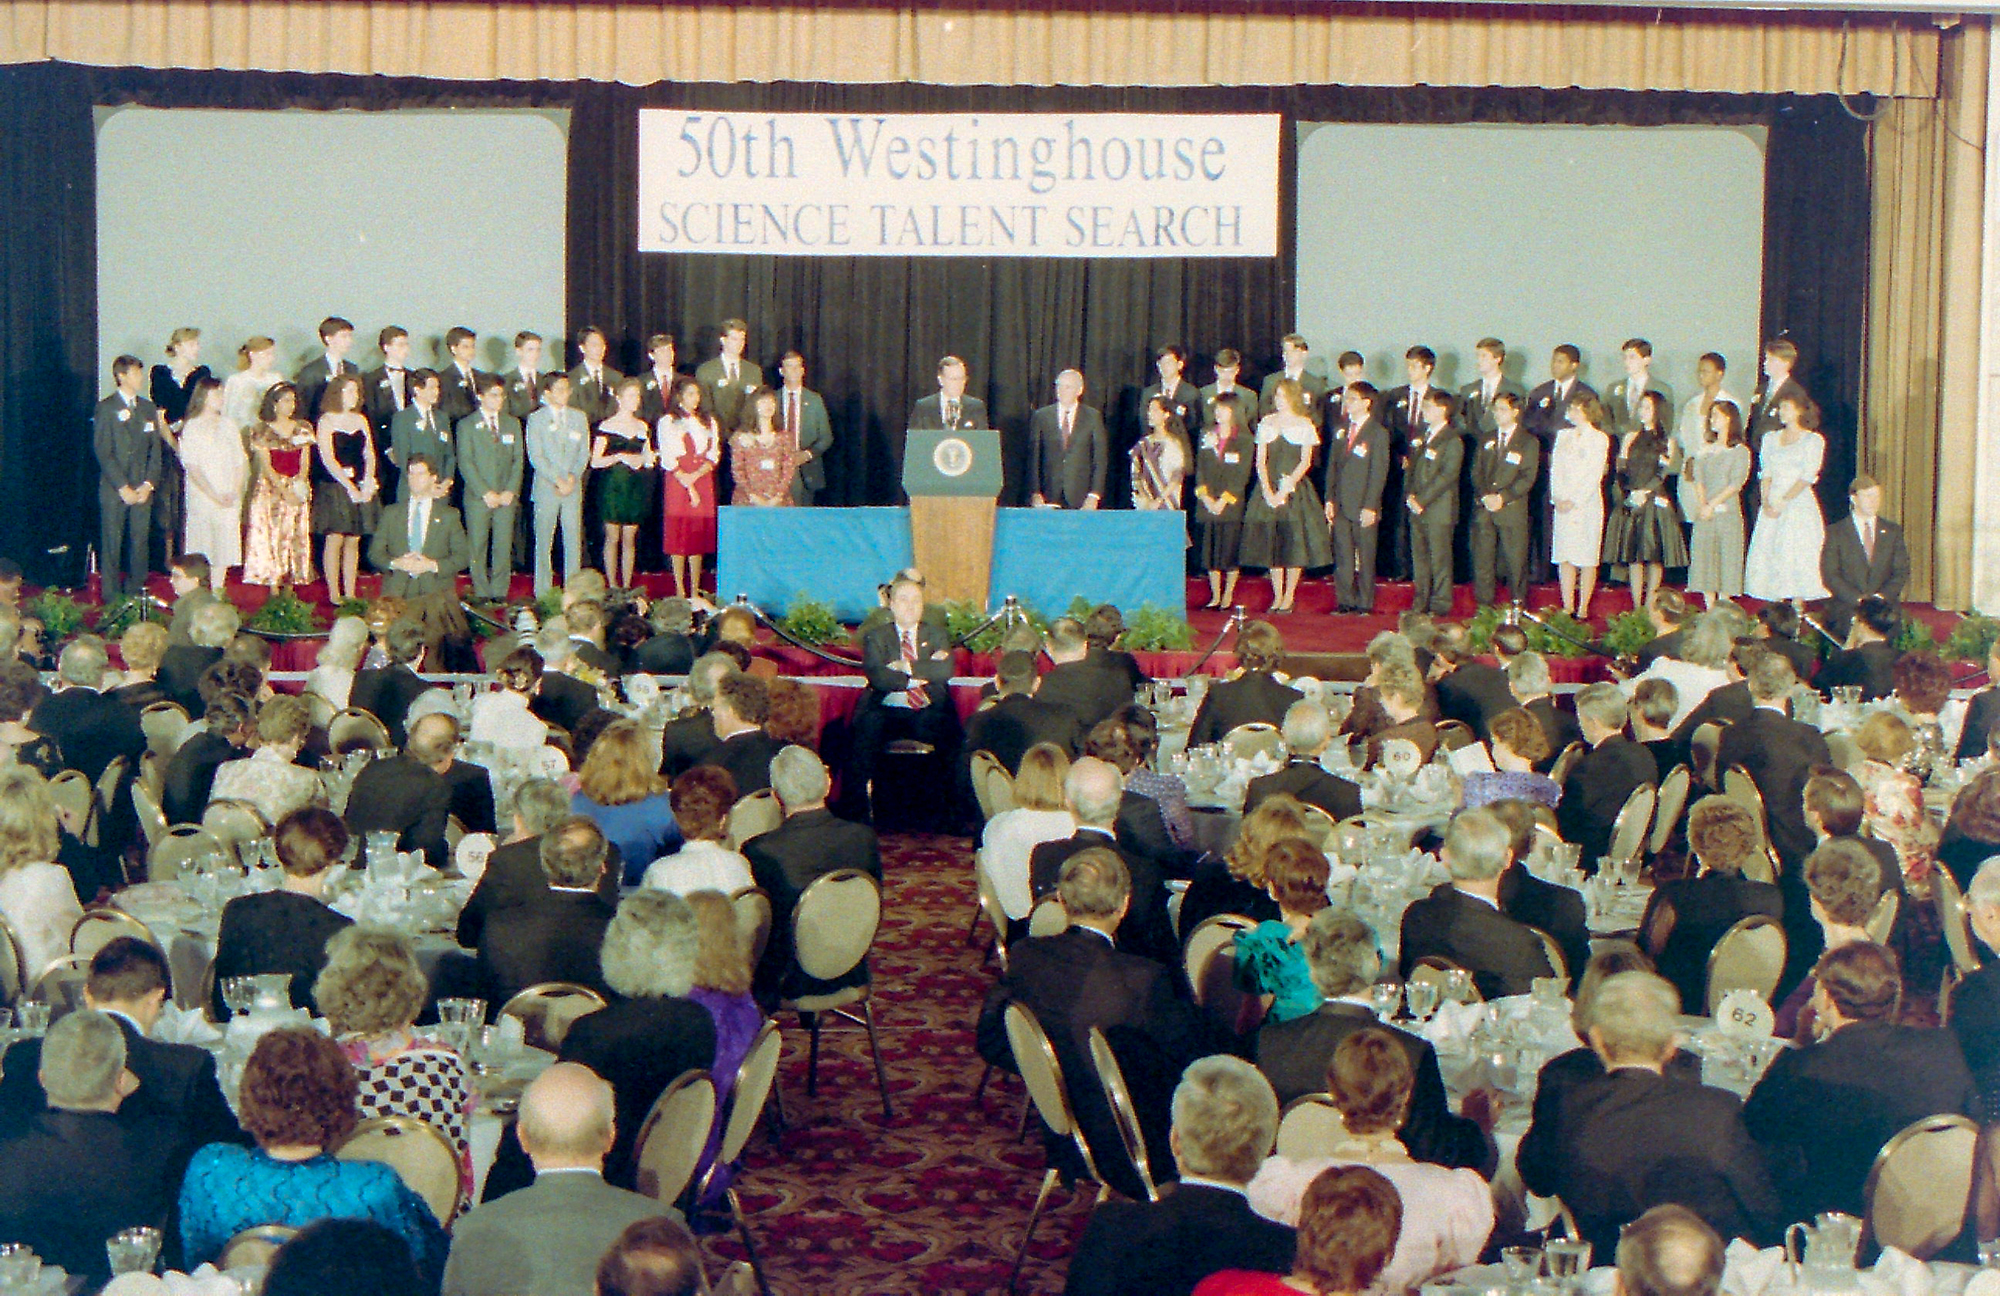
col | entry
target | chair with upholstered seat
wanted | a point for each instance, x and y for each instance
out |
(1667, 808)
(103, 924)
(1920, 1184)
(60, 985)
(1629, 829)
(254, 1247)
(674, 1135)
(1310, 1126)
(833, 928)
(1042, 1073)
(179, 849)
(165, 724)
(1956, 920)
(753, 816)
(546, 1011)
(418, 1152)
(357, 730)
(152, 819)
(753, 920)
(992, 786)
(1565, 762)
(1209, 961)
(75, 799)
(755, 1077)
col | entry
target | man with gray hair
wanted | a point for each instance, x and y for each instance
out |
(1669, 1251)
(556, 936)
(670, 649)
(514, 876)
(1528, 679)
(1975, 1005)
(563, 699)
(77, 1173)
(90, 727)
(1778, 753)
(1605, 777)
(545, 1239)
(209, 630)
(686, 741)
(1225, 1121)
(1308, 732)
(1069, 454)
(809, 844)
(1095, 790)
(1618, 1145)
(1460, 924)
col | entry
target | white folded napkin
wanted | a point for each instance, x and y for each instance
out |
(1747, 1271)
(1902, 1274)
(1452, 1027)
(178, 1025)
(205, 1281)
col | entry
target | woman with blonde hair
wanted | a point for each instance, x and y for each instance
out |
(620, 786)
(37, 898)
(256, 373)
(722, 986)
(1239, 886)
(339, 658)
(1040, 814)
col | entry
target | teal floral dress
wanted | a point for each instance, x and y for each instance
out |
(1268, 962)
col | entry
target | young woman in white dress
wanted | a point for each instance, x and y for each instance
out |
(243, 393)
(1784, 548)
(218, 472)
(1576, 491)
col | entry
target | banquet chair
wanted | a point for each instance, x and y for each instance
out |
(1254, 739)
(1918, 1189)
(1310, 1126)
(254, 1246)
(75, 799)
(152, 773)
(1703, 744)
(1048, 918)
(14, 982)
(986, 904)
(60, 985)
(164, 724)
(753, 920)
(833, 928)
(355, 730)
(1209, 962)
(181, 846)
(1124, 1113)
(1454, 734)
(454, 833)
(1985, 1210)
(673, 1137)
(753, 816)
(1042, 1074)
(104, 795)
(1667, 808)
(234, 823)
(1882, 918)
(320, 709)
(548, 1010)
(992, 787)
(1565, 762)
(756, 1074)
(419, 1154)
(152, 820)
(1956, 921)
(1750, 956)
(1739, 787)
(1629, 829)
(100, 926)
(1319, 825)
(1558, 965)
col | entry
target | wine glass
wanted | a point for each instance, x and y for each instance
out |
(238, 994)
(1387, 996)
(133, 1250)
(1523, 1264)
(1423, 999)
(1568, 1259)
(1458, 986)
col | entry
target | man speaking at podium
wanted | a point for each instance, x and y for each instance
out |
(951, 408)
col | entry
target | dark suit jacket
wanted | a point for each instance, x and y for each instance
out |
(598, 397)
(1141, 829)
(1091, 689)
(1474, 693)
(72, 1179)
(554, 937)
(815, 436)
(186, 781)
(1872, 666)
(1303, 778)
(1558, 726)
(1724, 705)
(1164, 1248)
(1779, 754)
(399, 795)
(1248, 405)
(1251, 698)
(1763, 411)
(1552, 908)
(513, 879)
(1545, 412)
(1666, 645)
(1146, 930)
(1431, 479)
(1017, 722)
(1065, 476)
(927, 415)
(413, 432)
(685, 741)
(275, 932)
(1475, 413)
(747, 756)
(1596, 790)
(1508, 473)
(1357, 474)
(1294, 1056)
(1616, 1146)
(1503, 956)
(128, 446)
(471, 796)
(180, 673)
(524, 392)
(312, 382)
(1184, 400)
(1975, 1019)
(563, 700)
(458, 395)
(1822, 1112)
(386, 694)
(1850, 575)
(663, 654)
(881, 649)
(1314, 386)
(1696, 912)
(378, 398)
(444, 541)
(91, 729)
(1980, 715)
(785, 861)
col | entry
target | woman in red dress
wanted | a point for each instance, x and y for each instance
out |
(690, 451)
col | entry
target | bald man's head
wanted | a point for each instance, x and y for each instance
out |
(1095, 788)
(1669, 1251)
(566, 1118)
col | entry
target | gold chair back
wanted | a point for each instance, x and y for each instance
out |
(548, 1010)
(834, 923)
(1123, 1113)
(1199, 956)
(100, 926)
(254, 1247)
(753, 920)
(170, 856)
(419, 1154)
(1635, 817)
(1310, 1126)
(1882, 918)
(1565, 762)
(14, 980)
(1667, 809)
(671, 1141)
(753, 816)
(353, 729)
(1750, 956)
(163, 724)
(1558, 965)
(1920, 1184)
(755, 1076)
(992, 786)
(234, 822)
(1254, 739)
(74, 798)
(1956, 920)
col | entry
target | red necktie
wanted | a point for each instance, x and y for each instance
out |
(1065, 431)
(792, 414)
(918, 695)
(1868, 541)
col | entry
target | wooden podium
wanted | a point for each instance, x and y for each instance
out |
(952, 478)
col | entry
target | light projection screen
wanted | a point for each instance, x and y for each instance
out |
(1536, 235)
(240, 223)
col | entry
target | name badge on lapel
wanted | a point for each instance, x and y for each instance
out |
(124, 416)
(506, 438)
(1514, 457)
(1360, 449)
(1231, 457)
(1430, 454)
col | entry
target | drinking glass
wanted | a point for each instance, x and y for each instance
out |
(1387, 997)
(1989, 1253)
(1568, 1259)
(1423, 999)
(1458, 986)
(1523, 1264)
(462, 1012)
(34, 1018)
(238, 994)
(19, 1266)
(133, 1250)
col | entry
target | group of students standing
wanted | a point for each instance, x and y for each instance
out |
(248, 470)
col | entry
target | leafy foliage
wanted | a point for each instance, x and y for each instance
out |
(960, 617)
(61, 616)
(284, 613)
(354, 607)
(548, 606)
(810, 620)
(117, 618)
(1153, 629)
(1972, 638)
(1488, 619)
(1915, 636)
(1628, 632)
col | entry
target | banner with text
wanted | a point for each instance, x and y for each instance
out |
(951, 184)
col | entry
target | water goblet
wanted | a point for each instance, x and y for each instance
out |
(34, 1018)
(1568, 1259)
(1458, 986)
(1523, 1265)
(133, 1250)
(238, 994)
(1423, 999)
(1989, 1253)
(1387, 996)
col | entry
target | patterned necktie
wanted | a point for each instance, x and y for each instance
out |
(919, 696)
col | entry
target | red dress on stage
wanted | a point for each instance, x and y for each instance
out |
(689, 446)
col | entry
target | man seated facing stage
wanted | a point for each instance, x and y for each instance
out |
(1253, 696)
(1091, 685)
(1468, 689)
(810, 843)
(1017, 719)
(685, 741)
(1608, 774)
(1308, 732)
(908, 663)
(1528, 678)
(1402, 695)
(1461, 923)
(951, 407)
(1069, 453)
(1869, 660)
(1096, 793)
(742, 704)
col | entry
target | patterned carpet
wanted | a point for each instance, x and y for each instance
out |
(934, 1200)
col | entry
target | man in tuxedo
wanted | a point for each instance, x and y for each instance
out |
(386, 692)
(89, 727)
(423, 428)
(1982, 712)
(1604, 779)
(1528, 679)
(1308, 731)
(593, 383)
(1096, 794)
(1296, 353)
(555, 936)
(1779, 754)
(1505, 468)
(1225, 1120)
(190, 771)
(407, 794)
(1546, 414)
(493, 458)
(657, 383)
(1017, 718)
(728, 379)
(1182, 398)
(514, 875)
(1080, 979)
(908, 663)
(419, 546)
(1823, 1111)
(336, 338)
(687, 739)
(1091, 686)
(1461, 923)
(131, 463)
(1253, 697)
(1409, 430)
(1430, 486)
(1623, 398)
(458, 378)
(742, 704)
(386, 389)
(1781, 356)
(1476, 398)
(1631, 1139)
(1864, 554)
(1869, 659)
(809, 844)
(1229, 381)
(1359, 452)
(524, 381)
(802, 414)
(1069, 452)
(951, 407)
(1296, 1055)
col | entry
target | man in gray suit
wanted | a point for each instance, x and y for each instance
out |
(802, 414)
(419, 546)
(728, 379)
(493, 458)
(546, 1239)
(1068, 450)
(421, 428)
(559, 446)
(1357, 473)
(131, 462)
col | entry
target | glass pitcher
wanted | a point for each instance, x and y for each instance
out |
(1832, 1246)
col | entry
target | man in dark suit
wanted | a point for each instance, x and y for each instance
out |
(908, 662)
(1430, 491)
(190, 773)
(514, 876)
(387, 389)
(458, 391)
(1634, 1138)
(336, 338)
(1779, 754)
(670, 650)
(1781, 356)
(593, 383)
(1604, 779)
(407, 794)
(951, 407)
(285, 932)
(210, 628)
(687, 739)
(1253, 697)
(90, 728)
(1308, 731)
(1091, 685)
(387, 691)
(657, 383)
(1869, 660)
(1181, 397)
(555, 936)
(420, 545)
(1296, 1055)
(1069, 453)
(1546, 414)
(1864, 554)
(1625, 396)
(1229, 381)
(423, 428)
(1096, 795)
(1528, 679)
(1468, 690)
(131, 463)
(811, 843)
(1505, 468)
(1358, 455)
(561, 699)
(1403, 415)
(523, 383)
(1726, 704)
(1017, 719)
(742, 704)
(1225, 1122)
(1078, 980)
(729, 378)
(1312, 386)
(1477, 398)
(1556, 911)
(1822, 1112)
(802, 414)
(1461, 922)
(1982, 712)
(471, 796)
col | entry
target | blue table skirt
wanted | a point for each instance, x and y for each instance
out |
(1044, 557)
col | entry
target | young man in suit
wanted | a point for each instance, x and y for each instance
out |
(559, 449)
(190, 773)
(1505, 468)
(1253, 697)
(493, 459)
(524, 381)
(1489, 357)
(1863, 555)
(1430, 486)
(1869, 660)
(685, 741)
(657, 383)
(1228, 381)
(1781, 356)
(385, 390)
(1069, 452)
(336, 337)
(593, 383)
(1296, 352)
(420, 545)
(951, 407)
(407, 793)
(729, 378)
(1602, 781)
(1403, 416)
(423, 428)
(459, 395)
(802, 414)
(188, 575)
(1357, 472)
(1017, 719)
(811, 843)
(1091, 687)
(557, 936)
(1182, 398)
(1623, 398)
(1308, 732)
(908, 663)
(131, 463)
(1461, 920)
(387, 691)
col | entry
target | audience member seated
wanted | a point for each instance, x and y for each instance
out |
(1225, 1119)
(1982, 712)
(1835, 810)
(1308, 733)
(1079, 979)
(1040, 814)
(298, 1100)
(286, 931)
(210, 629)
(1143, 825)
(1468, 690)
(564, 697)
(355, 1257)
(701, 800)
(1893, 808)
(546, 1239)
(140, 649)
(1697, 670)
(1401, 691)
(1923, 691)
(1236, 884)
(1019, 719)
(1651, 716)
(1667, 609)
(77, 1172)
(1602, 781)
(407, 794)
(785, 861)
(586, 637)
(1778, 626)
(1618, 1145)
(1975, 1005)
(1869, 659)
(619, 787)
(20, 690)
(1167, 791)
(686, 740)
(1686, 917)
(514, 875)
(1565, 1071)
(386, 692)
(655, 1257)
(1824, 1109)
(89, 727)
(189, 778)
(1778, 753)
(1460, 922)
(791, 716)
(1102, 629)
(1350, 1218)
(1269, 961)
(471, 789)
(669, 649)
(742, 704)
(1520, 748)
(371, 992)
(1555, 910)
(1297, 1055)
(722, 987)
(267, 779)
(338, 661)
(1669, 1251)
(1528, 677)
(502, 716)
(1090, 688)
(1447, 1213)
(1972, 829)
(1252, 696)
(1843, 885)
(554, 936)
(1731, 702)
(1096, 794)
(37, 896)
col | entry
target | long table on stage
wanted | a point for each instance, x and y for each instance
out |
(1044, 557)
